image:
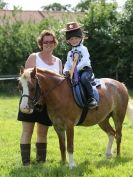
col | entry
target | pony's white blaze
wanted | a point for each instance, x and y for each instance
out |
(24, 101)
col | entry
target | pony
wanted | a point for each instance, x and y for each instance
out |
(46, 87)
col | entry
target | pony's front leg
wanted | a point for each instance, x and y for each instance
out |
(61, 136)
(70, 139)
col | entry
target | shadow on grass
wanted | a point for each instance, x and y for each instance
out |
(56, 169)
(113, 162)
(50, 170)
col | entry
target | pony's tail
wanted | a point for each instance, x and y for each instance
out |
(130, 111)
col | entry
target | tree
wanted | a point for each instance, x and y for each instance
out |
(2, 4)
(126, 43)
(101, 23)
(83, 5)
(57, 7)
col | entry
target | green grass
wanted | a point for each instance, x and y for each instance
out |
(90, 145)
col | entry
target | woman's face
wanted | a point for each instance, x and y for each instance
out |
(48, 43)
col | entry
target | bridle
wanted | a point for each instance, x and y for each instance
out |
(36, 97)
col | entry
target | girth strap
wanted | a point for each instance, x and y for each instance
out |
(83, 116)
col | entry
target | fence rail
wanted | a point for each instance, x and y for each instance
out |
(8, 77)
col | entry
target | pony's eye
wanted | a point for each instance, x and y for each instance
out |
(32, 89)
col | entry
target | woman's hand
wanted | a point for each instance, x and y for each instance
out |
(67, 74)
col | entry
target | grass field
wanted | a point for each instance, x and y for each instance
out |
(90, 146)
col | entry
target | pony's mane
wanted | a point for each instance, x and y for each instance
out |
(26, 74)
(49, 73)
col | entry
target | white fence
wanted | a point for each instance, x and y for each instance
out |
(8, 77)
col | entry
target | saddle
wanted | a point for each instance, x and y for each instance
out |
(80, 97)
(79, 92)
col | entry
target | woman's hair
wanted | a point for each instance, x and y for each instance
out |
(41, 36)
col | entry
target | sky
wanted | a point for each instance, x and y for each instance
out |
(37, 4)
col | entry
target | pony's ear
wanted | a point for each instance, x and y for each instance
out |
(21, 70)
(33, 73)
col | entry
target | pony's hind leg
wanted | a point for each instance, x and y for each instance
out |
(105, 126)
(118, 117)
(118, 127)
(61, 137)
(118, 139)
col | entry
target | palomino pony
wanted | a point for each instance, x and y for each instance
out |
(46, 87)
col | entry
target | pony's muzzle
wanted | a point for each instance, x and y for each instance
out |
(26, 110)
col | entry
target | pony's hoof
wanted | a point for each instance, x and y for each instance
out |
(108, 156)
(72, 165)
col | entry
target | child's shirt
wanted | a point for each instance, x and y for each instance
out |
(84, 58)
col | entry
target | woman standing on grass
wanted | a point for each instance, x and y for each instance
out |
(45, 59)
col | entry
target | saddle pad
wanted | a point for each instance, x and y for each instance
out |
(80, 95)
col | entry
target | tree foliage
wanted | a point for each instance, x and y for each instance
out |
(109, 54)
(83, 5)
(100, 22)
(2, 4)
(57, 7)
(18, 40)
(126, 43)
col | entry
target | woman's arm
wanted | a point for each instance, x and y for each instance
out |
(31, 61)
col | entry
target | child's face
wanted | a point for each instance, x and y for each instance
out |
(74, 41)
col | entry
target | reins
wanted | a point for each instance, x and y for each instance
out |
(54, 87)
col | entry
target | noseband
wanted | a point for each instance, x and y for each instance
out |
(35, 99)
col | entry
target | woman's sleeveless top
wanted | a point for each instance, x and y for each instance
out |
(41, 64)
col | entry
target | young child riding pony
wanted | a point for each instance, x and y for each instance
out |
(74, 37)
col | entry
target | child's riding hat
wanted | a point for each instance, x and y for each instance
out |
(73, 30)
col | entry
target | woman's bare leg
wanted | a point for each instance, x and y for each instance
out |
(25, 142)
(27, 131)
(41, 143)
